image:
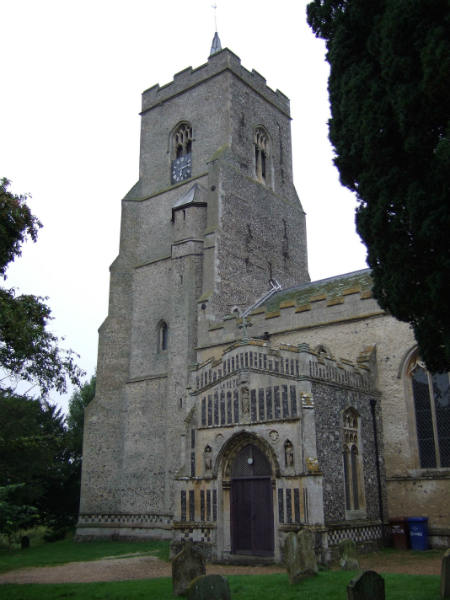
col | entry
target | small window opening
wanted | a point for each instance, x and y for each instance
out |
(164, 337)
(262, 155)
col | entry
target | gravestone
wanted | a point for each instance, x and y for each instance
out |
(348, 554)
(445, 575)
(209, 587)
(300, 556)
(368, 585)
(186, 566)
(25, 542)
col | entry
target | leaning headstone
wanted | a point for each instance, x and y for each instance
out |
(348, 554)
(445, 575)
(186, 566)
(209, 587)
(368, 585)
(300, 556)
(25, 542)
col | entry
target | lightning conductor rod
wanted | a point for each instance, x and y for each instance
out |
(214, 6)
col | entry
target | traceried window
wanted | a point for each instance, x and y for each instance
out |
(181, 153)
(431, 395)
(354, 493)
(182, 141)
(262, 155)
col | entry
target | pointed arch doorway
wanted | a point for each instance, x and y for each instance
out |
(252, 504)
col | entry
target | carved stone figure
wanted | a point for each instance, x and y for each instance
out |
(289, 454)
(208, 459)
(245, 401)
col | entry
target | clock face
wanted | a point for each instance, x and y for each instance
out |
(181, 168)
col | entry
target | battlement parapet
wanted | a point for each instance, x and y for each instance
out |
(225, 60)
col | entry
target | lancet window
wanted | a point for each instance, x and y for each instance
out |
(262, 155)
(354, 495)
(163, 336)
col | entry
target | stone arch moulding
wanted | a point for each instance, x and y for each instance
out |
(403, 373)
(404, 362)
(323, 349)
(230, 450)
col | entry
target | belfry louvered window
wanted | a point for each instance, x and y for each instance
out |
(432, 410)
(181, 165)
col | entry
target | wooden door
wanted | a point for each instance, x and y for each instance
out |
(251, 504)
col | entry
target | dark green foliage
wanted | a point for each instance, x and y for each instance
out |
(35, 451)
(28, 351)
(16, 224)
(75, 418)
(14, 517)
(389, 92)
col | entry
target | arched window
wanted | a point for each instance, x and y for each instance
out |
(431, 394)
(353, 480)
(163, 335)
(262, 155)
(181, 153)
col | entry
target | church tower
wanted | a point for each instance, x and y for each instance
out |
(212, 224)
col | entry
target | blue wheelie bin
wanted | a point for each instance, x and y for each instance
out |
(418, 532)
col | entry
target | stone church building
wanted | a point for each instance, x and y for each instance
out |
(237, 400)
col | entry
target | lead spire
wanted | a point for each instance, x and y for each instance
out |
(216, 45)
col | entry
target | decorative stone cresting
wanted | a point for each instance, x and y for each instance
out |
(367, 585)
(186, 566)
(209, 587)
(348, 554)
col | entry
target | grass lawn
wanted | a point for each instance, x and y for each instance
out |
(66, 551)
(329, 585)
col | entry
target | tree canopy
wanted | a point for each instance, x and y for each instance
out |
(14, 517)
(389, 90)
(78, 402)
(28, 351)
(36, 453)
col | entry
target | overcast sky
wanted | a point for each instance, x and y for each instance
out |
(72, 78)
